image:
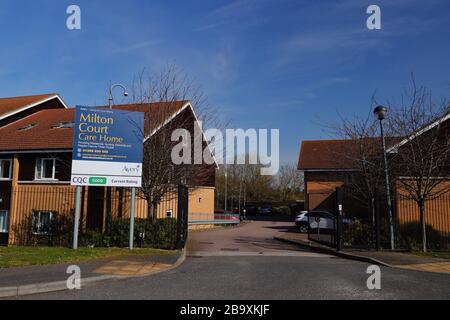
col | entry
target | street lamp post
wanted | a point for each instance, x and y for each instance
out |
(380, 112)
(111, 88)
(108, 189)
(226, 186)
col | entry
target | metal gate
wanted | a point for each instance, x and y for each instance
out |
(182, 216)
(326, 227)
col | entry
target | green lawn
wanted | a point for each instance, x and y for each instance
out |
(27, 256)
(442, 255)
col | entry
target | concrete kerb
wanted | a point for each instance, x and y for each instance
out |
(322, 249)
(10, 292)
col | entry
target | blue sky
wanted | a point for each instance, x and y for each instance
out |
(284, 64)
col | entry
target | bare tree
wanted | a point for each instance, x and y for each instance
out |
(361, 153)
(422, 159)
(289, 181)
(244, 178)
(165, 94)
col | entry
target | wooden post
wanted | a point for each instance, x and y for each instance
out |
(12, 207)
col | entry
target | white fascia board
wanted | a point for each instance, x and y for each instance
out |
(34, 105)
(186, 106)
(415, 135)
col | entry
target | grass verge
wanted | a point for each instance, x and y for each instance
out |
(27, 256)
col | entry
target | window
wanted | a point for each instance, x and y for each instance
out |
(3, 221)
(28, 127)
(42, 222)
(5, 169)
(169, 213)
(63, 125)
(46, 169)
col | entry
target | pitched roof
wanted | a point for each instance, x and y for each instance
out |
(337, 154)
(155, 114)
(37, 131)
(10, 106)
(325, 155)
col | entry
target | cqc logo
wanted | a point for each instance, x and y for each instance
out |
(89, 180)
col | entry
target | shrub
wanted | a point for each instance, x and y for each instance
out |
(409, 236)
(160, 233)
(358, 233)
(61, 231)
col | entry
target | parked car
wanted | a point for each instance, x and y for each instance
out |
(316, 219)
(265, 210)
(251, 210)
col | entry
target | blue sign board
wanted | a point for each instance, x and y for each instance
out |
(107, 147)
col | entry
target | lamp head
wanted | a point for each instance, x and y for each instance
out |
(380, 112)
(125, 94)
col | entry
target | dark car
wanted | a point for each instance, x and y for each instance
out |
(265, 210)
(250, 210)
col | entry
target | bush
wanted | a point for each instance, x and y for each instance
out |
(358, 233)
(160, 233)
(60, 235)
(409, 236)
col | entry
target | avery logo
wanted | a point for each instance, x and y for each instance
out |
(130, 170)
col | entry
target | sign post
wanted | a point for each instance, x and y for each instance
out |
(76, 222)
(107, 152)
(132, 208)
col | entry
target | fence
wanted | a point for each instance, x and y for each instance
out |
(43, 215)
(196, 219)
(369, 228)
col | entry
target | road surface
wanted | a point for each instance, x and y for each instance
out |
(246, 263)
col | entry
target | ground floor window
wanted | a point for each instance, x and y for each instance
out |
(3, 221)
(42, 222)
(5, 169)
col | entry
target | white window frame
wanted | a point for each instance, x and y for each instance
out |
(39, 212)
(7, 222)
(10, 169)
(169, 213)
(42, 166)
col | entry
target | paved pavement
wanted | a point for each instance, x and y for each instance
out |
(123, 266)
(402, 260)
(246, 263)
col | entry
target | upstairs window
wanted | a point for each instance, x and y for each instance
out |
(28, 127)
(46, 169)
(63, 125)
(5, 169)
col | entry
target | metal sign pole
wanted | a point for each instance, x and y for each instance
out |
(76, 223)
(132, 211)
